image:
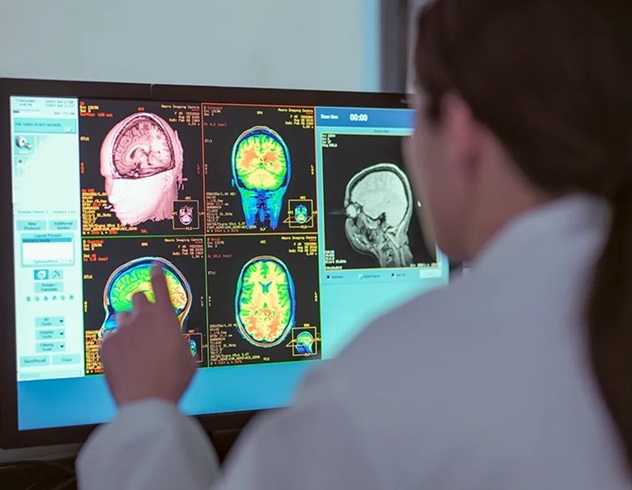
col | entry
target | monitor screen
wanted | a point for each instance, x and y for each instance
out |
(283, 229)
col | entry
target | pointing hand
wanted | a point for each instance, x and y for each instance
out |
(147, 356)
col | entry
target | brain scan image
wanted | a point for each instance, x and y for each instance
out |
(193, 347)
(304, 344)
(135, 277)
(141, 162)
(261, 171)
(185, 215)
(378, 207)
(265, 301)
(301, 215)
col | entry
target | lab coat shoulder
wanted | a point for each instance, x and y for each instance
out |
(394, 410)
(423, 381)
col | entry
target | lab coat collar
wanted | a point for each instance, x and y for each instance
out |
(546, 229)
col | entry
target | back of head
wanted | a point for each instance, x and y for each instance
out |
(552, 79)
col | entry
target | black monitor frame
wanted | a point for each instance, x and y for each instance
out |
(10, 436)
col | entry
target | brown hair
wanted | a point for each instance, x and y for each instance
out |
(553, 80)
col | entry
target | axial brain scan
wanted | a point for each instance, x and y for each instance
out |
(301, 214)
(141, 161)
(379, 207)
(265, 301)
(261, 171)
(135, 277)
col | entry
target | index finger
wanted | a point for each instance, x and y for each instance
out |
(159, 285)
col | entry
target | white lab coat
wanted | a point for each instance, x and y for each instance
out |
(483, 385)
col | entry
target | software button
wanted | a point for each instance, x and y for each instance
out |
(65, 359)
(51, 346)
(34, 361)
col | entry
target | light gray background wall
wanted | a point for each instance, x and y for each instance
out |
(324, 44)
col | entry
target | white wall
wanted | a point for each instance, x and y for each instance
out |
(320, 44)
(317, 44)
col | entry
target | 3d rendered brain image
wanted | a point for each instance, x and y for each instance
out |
(142, 145)
(261, 170)
(265, 301)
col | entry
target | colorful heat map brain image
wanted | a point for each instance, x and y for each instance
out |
(135, 277)
(304, 344)
(261, 171)
(300, 214)
(265, 301)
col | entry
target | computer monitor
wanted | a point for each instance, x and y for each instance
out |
(284, 219)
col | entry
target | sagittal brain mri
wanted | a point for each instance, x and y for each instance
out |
(135, 277)
(141, 162)
(261, 169)
(193, 347)
(305, 343)
(379, 206)
(265, 301)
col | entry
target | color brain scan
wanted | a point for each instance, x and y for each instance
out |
(265, 301)
(135, 277)
(261, 170)
(301, 214)
(304, 344)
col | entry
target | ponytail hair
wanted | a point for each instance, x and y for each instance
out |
(609, 319)
(552, 79)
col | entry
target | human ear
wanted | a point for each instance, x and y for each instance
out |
(463, 136)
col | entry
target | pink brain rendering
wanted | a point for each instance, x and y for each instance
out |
(143, 145)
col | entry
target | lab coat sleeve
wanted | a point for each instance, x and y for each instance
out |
(149, 445)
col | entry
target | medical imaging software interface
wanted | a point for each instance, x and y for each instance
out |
(282, 232)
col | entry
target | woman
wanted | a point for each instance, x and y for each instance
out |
(517, 376)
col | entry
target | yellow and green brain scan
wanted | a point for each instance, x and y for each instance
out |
(261, 171)
(265, 301)
(135, 277)
(261, 161)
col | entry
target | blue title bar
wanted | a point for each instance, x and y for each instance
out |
(365, 118)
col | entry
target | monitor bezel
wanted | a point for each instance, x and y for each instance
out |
(10, 436)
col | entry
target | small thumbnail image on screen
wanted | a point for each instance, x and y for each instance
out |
(117, 268)
(263, 297)
(260, 168)
(369, 205)
(141, 168)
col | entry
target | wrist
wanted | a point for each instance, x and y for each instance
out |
(123, 401)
